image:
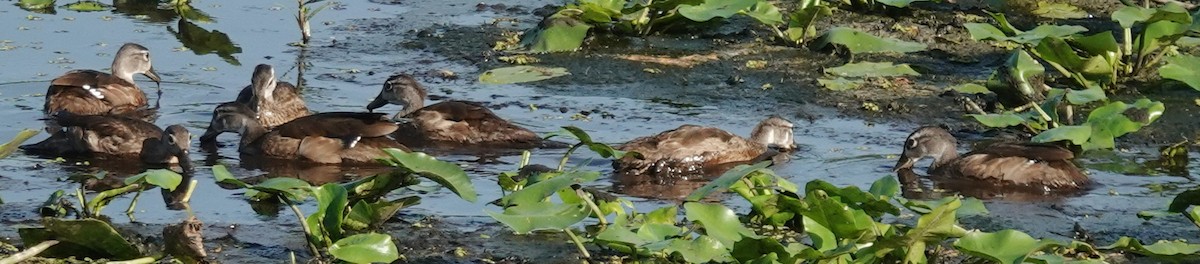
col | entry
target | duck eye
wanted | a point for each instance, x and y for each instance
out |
(910, 143)
(171, 139)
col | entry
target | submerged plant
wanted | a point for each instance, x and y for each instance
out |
(304, 14)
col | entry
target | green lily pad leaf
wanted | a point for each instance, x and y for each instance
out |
(1078, 135)
(765, 12)
(999, 120)
(600, 11)
(365, 248)
(1059, 11)
(800, 23)
(1183, 68)
(86, 6)
(839, 84)
(843, 220)
(562, 31)
(35, 4)
(222, 175)
(604, 150)
(331, 204)
(938, 224)
(1097, 44)
(1162, 248)
(447, 174)
(719, 222)
(360, 216)
(293, 189)
(727, 179)
(703, 249)
(862, 42)
(885, 187)
(713, 9)
(537, 192)
(1128, 15)
(1091, 94)
(94, 236)
(166, 179)
(1007, 246)
(529, 217)
(1037, 34)
(11, 146)
(872, 69)
(1056, 50)
(823, 238)
(984, 31)
(520, 74)
(971, 88)
(899, 3)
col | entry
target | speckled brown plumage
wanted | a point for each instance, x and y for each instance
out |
(1000, 164)
(90, 92)
(330, 138)
(272, 103)
(450, 122)
(115, 136)
(692, 149)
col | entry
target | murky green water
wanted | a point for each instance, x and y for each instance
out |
(358, 44)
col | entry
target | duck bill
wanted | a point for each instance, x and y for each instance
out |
(904, 163)
(184, 162)
(210, 136)
(377, 103)
(153, 76)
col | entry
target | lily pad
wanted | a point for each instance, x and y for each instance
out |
(862, 42)
(520, 74)
(1183, 68)
(529, 217)
(1159, 249)
(95, 236)
(537, 192)
(1006, 246)
(719, 222)
(447, 174)
(563, 31)
(712, 9)
(35, 4)
(971, 88)
(999, 120)
(86, 6)
(872, 69)
(727, 179)
(765, 12)
(1078, 135)
(1059, 11)
(839, 84)
(166, 179)
(365, 248)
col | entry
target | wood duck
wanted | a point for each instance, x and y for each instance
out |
(90, 92)
(272, 102)
(450, 122)
(328, 138)
(692, 149)
(121, 137)
(1037, 165)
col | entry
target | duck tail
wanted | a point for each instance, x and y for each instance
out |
(57, 144)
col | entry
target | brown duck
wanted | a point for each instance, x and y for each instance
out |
(450, 123)
(121, 137)
(90, 92)
(272, 102)
(330, 138)
(692, 149)
(1042, 166)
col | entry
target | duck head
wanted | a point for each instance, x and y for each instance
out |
(774, 132)
(930, 141)
(400, 89)
(134, 59)
(176, 140)
(263, 83)
(228, 117)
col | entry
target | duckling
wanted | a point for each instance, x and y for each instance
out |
(692, 149)
(1042, 166)
(116, 136)
(90, 92)
(328, 138)
(450, 122)
(272, 102)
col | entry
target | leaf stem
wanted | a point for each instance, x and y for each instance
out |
(578, 243)
(300, 216)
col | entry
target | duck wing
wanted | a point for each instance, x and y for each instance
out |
(1027, 150)
(1018, 170)
(342, 125)
(469, 122)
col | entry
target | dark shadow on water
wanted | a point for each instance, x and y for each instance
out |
(202, 41)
